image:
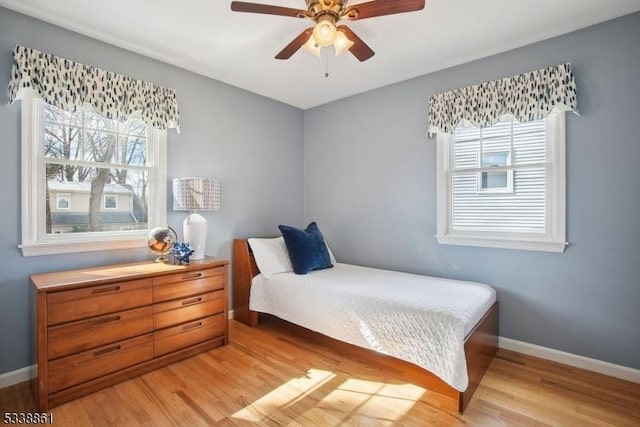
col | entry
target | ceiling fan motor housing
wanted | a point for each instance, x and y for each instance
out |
(319, 8)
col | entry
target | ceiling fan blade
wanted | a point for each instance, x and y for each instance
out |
(380, 8)
(359, 49)
(295, 44)
(241, 6)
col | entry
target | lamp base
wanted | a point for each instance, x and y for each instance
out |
(194, 229)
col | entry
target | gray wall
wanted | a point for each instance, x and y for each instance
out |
(371, 185)
(251, 143)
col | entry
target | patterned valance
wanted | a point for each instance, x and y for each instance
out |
(529, 96)
(70, 85)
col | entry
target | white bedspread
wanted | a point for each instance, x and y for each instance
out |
(420, 319)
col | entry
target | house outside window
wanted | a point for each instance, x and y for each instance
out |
(504, 185)
(112, 173)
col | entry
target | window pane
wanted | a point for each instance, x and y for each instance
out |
(62, 133)
(56, 115)
(467, 133)
(133, 127)
(497, 143)
(100, 200)
(97, 122)
(495, 159)
(466, 154)
(497, 179)
(132, 150)
(529, 143)
(501, 129)
(99, 146)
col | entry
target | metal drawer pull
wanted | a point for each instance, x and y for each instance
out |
(191, 276)
(105, 320)
(191, 301)
(192, 326)
(106, 351)
(105, 290)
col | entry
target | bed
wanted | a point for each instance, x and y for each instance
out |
(383, 324)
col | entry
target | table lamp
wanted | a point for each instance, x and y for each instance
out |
(193, 195)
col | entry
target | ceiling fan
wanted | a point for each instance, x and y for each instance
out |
(326, 13)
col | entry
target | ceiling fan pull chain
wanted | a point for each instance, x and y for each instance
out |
(326, 65)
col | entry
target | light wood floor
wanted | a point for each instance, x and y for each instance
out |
(267, 377)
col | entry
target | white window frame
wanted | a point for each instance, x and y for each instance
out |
(554, 240)
(60, 196)
(35, 241)
(104, 201)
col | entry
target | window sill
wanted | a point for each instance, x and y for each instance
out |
(526, 245)
(52, 248)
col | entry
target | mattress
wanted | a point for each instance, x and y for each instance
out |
(419, 319)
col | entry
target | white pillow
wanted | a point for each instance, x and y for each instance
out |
(332, 257)
(271, 256)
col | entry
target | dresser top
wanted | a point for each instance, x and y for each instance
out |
(117, 272)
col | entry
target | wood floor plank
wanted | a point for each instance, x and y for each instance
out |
(269, 377)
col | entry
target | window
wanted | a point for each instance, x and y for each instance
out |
(115, 173)
(63, 201)
(503, 186)
(110, 201)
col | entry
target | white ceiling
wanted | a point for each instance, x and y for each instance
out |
(204, 36)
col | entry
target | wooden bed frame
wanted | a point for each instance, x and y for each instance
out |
(480, 344)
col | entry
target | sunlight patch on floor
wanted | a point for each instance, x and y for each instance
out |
(284, 396)
(380, 402)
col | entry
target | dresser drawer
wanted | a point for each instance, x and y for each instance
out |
(181, 336)
(98, 331)
(76, 304)
(171, 313)
(71, 370)
(181, 285)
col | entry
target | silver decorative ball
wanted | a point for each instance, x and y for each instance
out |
(160, 241)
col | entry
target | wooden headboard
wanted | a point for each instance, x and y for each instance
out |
(244, 269)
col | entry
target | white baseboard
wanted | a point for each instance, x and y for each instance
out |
(18, 376)
(605, 368)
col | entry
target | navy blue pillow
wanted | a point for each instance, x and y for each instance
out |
(307, 249)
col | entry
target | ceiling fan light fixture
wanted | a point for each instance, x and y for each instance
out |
(312, 47)
(342, 43)
(324, 33)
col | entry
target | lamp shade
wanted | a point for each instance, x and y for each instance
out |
(324, 32)
(196, 194)
(312, 47)
(342, 43)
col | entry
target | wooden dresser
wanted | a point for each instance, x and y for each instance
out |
(99, 326)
